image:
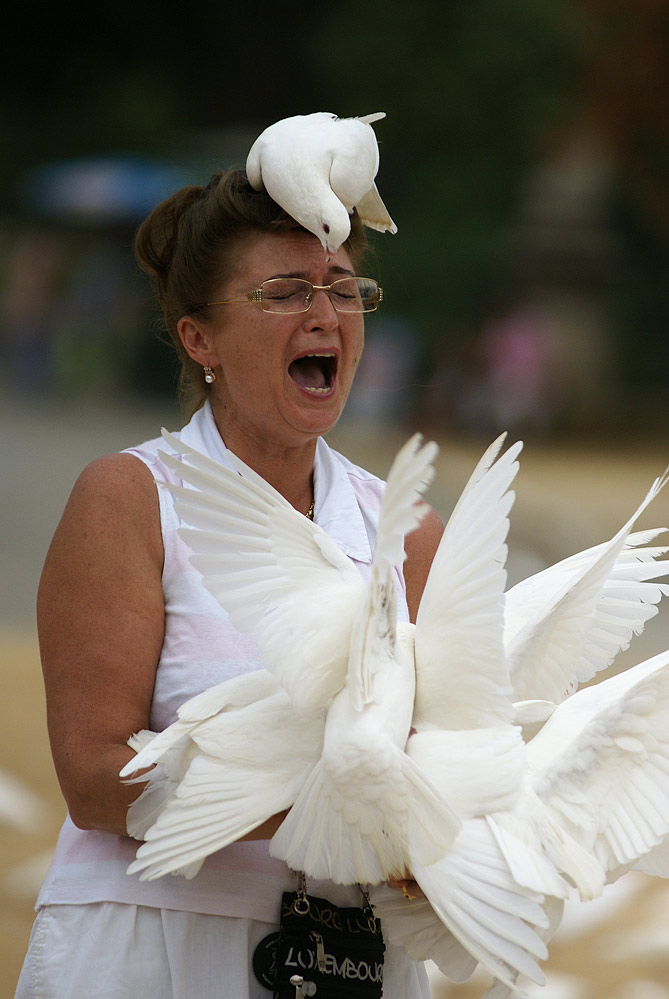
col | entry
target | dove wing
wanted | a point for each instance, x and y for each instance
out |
(601, 764)
(410, 474)
(276, 144)
(374, 213)
(590, 618)
(278, 575)
(654, 863)
(529, 597)
(414, 925)
(247, 765)
(171, 751)
(461, 676)
(237, 692)
(474, 895)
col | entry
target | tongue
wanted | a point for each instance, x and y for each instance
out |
(307, 372)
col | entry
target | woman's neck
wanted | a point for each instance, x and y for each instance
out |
(287, 467)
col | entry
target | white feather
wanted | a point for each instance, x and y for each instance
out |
(464, 738)
(568, 622)
(277, 574)
(367, 807)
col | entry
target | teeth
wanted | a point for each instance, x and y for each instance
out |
(316, 391)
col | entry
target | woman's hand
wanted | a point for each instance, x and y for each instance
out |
(408, 887)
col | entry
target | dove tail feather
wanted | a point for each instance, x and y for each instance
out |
(373, 212)
(348, 841)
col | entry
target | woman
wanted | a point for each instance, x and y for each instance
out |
(127, 632)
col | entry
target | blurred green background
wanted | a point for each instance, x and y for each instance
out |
(524, 158)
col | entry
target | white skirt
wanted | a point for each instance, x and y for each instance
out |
(111, 950)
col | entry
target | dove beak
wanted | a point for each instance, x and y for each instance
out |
(329, 250)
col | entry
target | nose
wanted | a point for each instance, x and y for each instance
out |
(322, 312)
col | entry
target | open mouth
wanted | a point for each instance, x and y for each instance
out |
(314, 372)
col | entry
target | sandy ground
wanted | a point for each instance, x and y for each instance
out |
(568, 498)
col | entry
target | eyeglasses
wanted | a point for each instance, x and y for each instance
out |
(293, 295)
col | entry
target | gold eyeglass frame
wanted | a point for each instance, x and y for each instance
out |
(256, 296)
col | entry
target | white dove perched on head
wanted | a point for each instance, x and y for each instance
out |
(318, 168)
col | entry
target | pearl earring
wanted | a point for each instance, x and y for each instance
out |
(209, 375)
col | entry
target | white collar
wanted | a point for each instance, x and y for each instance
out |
(336, 509)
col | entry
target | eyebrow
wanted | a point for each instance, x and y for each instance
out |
(303, 274)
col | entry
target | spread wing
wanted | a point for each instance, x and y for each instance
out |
(601, 764)
(461, 675)
(278, 575)
(243, 766)
(592, 606)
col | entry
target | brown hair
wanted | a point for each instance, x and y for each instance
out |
(187, 247)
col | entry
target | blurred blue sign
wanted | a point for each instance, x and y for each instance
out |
(103, 189)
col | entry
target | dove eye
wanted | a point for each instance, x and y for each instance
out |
(326, 228)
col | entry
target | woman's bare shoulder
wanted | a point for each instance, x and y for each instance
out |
(121, 475)
(111, 519)
(116, 489)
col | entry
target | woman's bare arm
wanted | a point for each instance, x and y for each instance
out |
(100, 615)
(101, 624)
(420, 547)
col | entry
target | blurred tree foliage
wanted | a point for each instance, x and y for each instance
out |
(625, 99)
(476, 91)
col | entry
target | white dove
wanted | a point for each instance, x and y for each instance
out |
(366, 807)
(465, 741)
(600, 770)
(318, 614)
(318, 168)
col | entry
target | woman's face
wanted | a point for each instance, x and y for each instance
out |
(283, 378)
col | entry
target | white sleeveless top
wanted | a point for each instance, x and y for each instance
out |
(200, 649)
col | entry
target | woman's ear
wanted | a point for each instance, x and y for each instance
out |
(197, 341)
